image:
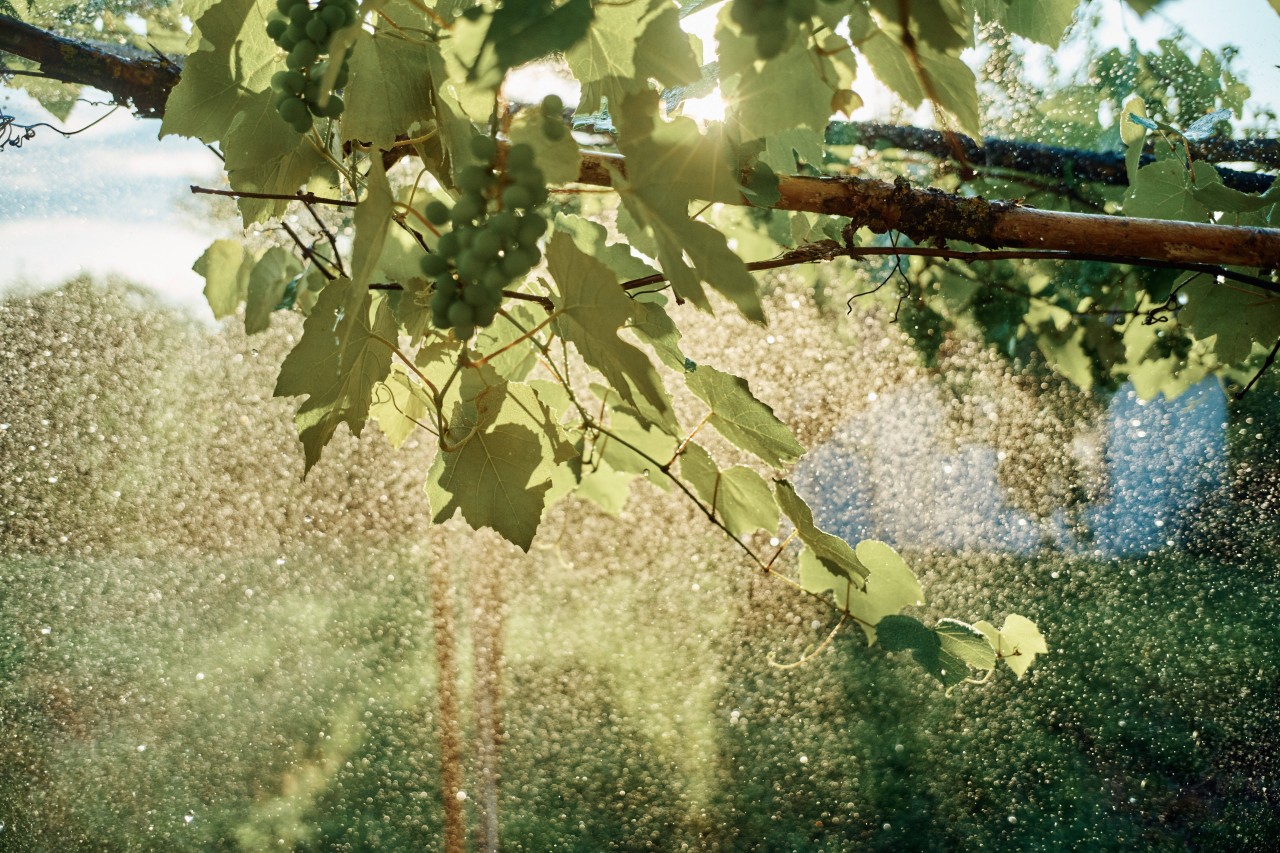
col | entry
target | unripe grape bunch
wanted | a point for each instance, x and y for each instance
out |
(495, 230)
(304, 31)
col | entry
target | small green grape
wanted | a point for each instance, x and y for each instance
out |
(299, 14)
(472, 265)
(283, 6)
(334, 16)
(494, 280)
(276, 28)
(331, 108)
(474, 179)
(552, 106)
(475, 297)
(303, 124)
(484, 149)
(520, 156)
(437, 213)
(293, 110)
(519, 262)
(503, 223)
(466, 210)
(317, 30)
(344, 74)
(448, 244)
(302, 55)
(485, 314)
(532, 227)
(530, 178)
(461, 314)
(433, 264)
(291, 37)
(487, 244)
(516, 197)
(554, 130)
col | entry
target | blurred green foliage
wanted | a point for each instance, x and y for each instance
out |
(222, 657)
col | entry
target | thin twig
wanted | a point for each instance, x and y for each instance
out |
(305, 198)
(1271, 357)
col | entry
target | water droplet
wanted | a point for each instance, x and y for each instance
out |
(188, 817)
(199, 676)
(142, 747)
(804, 759)
(460, 796)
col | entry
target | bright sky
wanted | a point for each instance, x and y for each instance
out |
(105, 202)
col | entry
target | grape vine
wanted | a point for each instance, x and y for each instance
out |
(305, 32)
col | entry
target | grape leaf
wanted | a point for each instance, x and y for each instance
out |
(611, 61)
(226, 276)
(558, 159)
(1042, 21)
(231, 61)
(372, 219)
(1017, 643)
(1235, 317)
(740, 417)
(947, 652)
(1163, 190)
(889, 587)
(589, 312)
(267, 282)
(499, 475)
(835, 554)
(791, 91)
(738, 497)
(389, 89)
(670, 163)
(521, 31)
(337, 363)
(399, 405)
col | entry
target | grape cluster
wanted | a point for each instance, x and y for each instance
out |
(772, 22)
(304, 31)
(486, 250)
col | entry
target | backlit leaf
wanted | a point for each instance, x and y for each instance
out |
(337, 363)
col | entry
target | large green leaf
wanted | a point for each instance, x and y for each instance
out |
(226, 276)
(626, 45)
(337, 363)
(1234, 316)
(499, 472)
(950, 652)
(589, 312)
(1017, 643)
(389, 90)
(399, 405)
(668, 165)
(835, 554)
(521, 31)
(793, 90)
(738, 497)
(231, 60)
(265, 155)
(267, 283)
(889, 587)
(740, 417)
(372, 219)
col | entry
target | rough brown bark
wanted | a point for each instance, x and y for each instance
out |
(143, 85)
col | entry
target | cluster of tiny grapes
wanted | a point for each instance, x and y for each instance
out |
(771, 21)
(305, 31)
(486, 250)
